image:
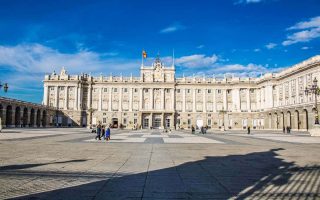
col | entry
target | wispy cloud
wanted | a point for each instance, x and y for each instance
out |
(248, 1)
(256, 50)
(271, 45)
(305, 31)
(200, 46)
(197, 60)
(173, 28)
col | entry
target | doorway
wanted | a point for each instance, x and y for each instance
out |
(114, 122)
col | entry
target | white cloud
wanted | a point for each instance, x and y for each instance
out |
(173, 28)
(256, 50)
(271, 45)
(200, 46)
(305, 48)
(308, 30)
(312, 23)
(248, 1)
(197, 60)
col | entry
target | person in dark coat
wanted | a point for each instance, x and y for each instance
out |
(284, 130)
(98, 132)
(192, 130)
(248, 130)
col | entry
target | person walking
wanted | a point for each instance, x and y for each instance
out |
(0, 124)
(98, 132)
(248, 130)
(103, 130)
(108, 132)
(192, 130)
(284, 129)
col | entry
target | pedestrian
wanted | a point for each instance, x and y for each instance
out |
(103, 131)
(108, 133)
(284, 130)
(289, 129)
(98, 132)
(248, 130)
(192, 129)
(202, 129)
(0, 124)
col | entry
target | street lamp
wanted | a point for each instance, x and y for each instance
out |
(314, 89)
(5, 87)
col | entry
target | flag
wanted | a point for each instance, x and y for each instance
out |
(144, 54)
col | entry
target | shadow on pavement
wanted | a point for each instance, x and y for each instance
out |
(258, 175)
(26, 166)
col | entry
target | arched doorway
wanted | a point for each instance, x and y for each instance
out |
(9, 116)
(38, 121)
(25, 117)
(32, 114)
(297, 120)
(44, 118)
(305, 119)
(289, 119)
(276, 121)
(282, 120)
(17, 117)
(270, 121)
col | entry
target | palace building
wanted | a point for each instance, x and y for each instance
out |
(159, 99)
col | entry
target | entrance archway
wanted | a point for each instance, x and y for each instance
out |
(17, 117)
(38, 118)
(25, 117)
(9, 116)
(32, 113)
(297, 120)
(114, 122)
(306, 120)
(289, 119)
(44, 118)
(276, 121)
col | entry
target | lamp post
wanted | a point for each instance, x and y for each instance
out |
(5, 87)
(314, 89)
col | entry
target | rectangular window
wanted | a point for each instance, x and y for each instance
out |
(104, 120)
(125, 90)
(105, 90)
(209, 122)
(135, 121)
(135, 90)
(188, 91)
(189, 121)
(125, 121)
(219, 91)
(178, 90)
(209, 91)
(199, 91)
(115, 89)
(168, 90)
(146, 90)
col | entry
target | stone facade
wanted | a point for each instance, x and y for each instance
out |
(16, 113)
(158, 99)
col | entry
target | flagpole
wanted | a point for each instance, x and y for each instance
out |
(142, 58)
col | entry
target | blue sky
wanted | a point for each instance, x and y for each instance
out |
(242, 37)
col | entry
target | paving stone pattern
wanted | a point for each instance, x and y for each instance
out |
(71, 164)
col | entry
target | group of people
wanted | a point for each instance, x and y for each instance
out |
(203, 129)
(103, 132)
(288, 129)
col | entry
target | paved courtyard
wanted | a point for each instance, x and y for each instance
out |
(150, 164)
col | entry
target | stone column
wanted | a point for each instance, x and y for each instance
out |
(100, 99)
(130, 99)
(225, 100)
(110, 99)
(151, 98)
(140, 98)
(45, 95)
(214, 101)
(80, 98)
(173, 101)
(35, 118)
(66, 98)
(120, 99)
(236, 99)
(89, 96)
(204, 103)
(162, 99)
(56, 96)
(183, 100)
(248, 100)
(76, 97)
(194, 100)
